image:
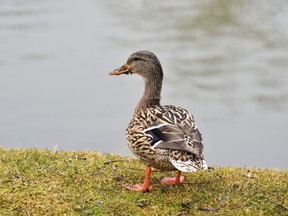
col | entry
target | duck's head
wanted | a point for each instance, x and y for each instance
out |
(143, 62)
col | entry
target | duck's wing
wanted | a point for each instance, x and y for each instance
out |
(175, 128)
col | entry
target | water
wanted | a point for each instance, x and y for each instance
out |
(225, 61)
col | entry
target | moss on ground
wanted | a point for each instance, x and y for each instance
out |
(46, 182)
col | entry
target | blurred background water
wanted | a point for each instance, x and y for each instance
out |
(225, 61)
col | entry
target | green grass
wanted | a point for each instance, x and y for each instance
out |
(46, 182)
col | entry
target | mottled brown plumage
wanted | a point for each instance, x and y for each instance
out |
(163, 137)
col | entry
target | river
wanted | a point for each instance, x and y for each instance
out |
(225, 61)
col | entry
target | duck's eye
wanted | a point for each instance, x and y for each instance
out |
(137, 58)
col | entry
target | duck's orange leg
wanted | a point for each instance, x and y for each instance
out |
(145, 187)
(173, 180)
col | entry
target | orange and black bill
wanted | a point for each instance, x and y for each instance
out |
(122, 70)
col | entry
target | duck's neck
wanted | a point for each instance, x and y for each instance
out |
(151, 96)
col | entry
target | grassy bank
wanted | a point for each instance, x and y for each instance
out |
(39, 182)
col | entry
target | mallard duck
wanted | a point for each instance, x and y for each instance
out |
(162, 137)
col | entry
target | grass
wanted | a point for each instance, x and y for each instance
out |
(46, 182)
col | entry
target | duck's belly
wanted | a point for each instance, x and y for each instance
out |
(157, 158)
(162, 161)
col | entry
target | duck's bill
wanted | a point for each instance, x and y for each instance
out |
(122, 70)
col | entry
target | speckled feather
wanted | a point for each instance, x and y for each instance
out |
(177, 143)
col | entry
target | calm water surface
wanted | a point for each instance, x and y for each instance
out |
(225, 61)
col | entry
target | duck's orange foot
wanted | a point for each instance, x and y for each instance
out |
(172, 180)
(139, 188)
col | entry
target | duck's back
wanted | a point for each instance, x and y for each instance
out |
(167, 138)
